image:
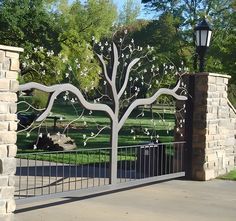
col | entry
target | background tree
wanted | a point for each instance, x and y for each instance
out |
(129, 13)
(111, 56)
(53, 32)
(186, 14)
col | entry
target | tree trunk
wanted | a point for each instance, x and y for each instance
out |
(114, 147)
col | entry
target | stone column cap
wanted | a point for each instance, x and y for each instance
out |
(211, 74)
(10, 48)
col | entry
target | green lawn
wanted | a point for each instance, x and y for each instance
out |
(77, 129)
(229, 176)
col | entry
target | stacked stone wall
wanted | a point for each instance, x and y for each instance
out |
(213, 127)
(9, 67)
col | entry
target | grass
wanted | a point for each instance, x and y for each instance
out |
(229, 176)
(78, 129)
(82, 157)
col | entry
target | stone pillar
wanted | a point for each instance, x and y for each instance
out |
(212, 143)
(9, 68)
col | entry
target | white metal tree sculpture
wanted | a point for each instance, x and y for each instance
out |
(117, 87)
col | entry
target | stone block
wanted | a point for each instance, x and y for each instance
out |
(2, 206)
(8, 217)
(209, 174)
(4, 109)
(212, 129)
(226, 81)
(11, 206)
(8, 166)
(2, 56)
(212, 79)
(14, 86)
(14, 64)
(3, 151)
(8, 97)
(2, 74)
(7, 192)
(211, 157)
(199, 175)
(13, 126)
(223, 94)
(221, 88)
(6, 64)
(230, 141)
(3, 125)
(211, 88)
(8, 137)
(14, 55)
(11, 74)
(11, 150)
(223, 102)
(3, 181)
(4, 85)
(212, 144)
(11, 180)
(219, 80)
(12, 108)
(8, 117)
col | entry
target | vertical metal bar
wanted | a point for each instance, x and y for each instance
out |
(181, 155)
(140, 163)
(94, 164)
(177, 158)
(161, 152)
(135, 162)
(149, 161)
(87, 169)
(63, 170)
(99, 168)
(20, 172)
(49, 186)
(82, 168)
(153, 160)
(173, 160)
(157, 151)
(130, 162)
(27, 179)
(169, 158)
(105, 167)
(69, 172)
(125, 163)
(144, 162)
(42, 177)
(35, 173)
(56, 172)
(121, 164)
(76, 169)
(165, 152)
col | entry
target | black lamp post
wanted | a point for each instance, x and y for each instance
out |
(203, 38)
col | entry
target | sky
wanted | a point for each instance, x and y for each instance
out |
(143, 14)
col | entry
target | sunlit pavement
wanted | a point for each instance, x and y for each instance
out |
(172, 200)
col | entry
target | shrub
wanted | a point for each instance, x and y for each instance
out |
(40, 99)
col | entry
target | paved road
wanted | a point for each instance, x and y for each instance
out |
(174, 200)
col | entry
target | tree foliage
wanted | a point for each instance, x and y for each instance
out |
(54, 31)
(129, 12)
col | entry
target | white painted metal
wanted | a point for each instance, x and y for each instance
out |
(113, 114)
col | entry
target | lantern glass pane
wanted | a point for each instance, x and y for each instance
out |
(209, 38)
(198, 38)
(203, 38)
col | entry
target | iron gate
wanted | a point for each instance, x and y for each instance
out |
(83, 172)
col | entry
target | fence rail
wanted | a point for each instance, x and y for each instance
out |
(46, 173)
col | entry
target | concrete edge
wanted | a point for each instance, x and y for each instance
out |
(10, 48)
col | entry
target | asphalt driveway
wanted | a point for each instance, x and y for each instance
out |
(175, 200)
